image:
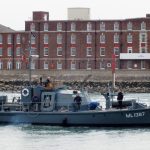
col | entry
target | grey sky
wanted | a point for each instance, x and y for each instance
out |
(13, 13)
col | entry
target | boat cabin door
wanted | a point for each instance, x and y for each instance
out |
(47, 101)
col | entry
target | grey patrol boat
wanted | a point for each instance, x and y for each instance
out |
(56, 106)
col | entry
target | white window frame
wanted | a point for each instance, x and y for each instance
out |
(102, 26)
(73, 51)
(116, 51)
(59, 26)
(59, 65)
(33, 65)
(59, 38)
(45, 65)
(73, 65)
(9, 65)
(129, 26)
(88, 65)
(9, 39)
(18, 65)
(102, 50)
(73, 39)
(116, 26)
(9, 51)
(59, 50)
(89, 38)
(45, 26)
(46, 38)
(32, 27)
(129, 38)
(1, 39)
(46, 51)
(143, 40)
(73, 26)
(89, 26)
(102, 38)
(143, 26)
(116, 38)
(18, 51)
(89, 51)
(143, 49)
(18, 39)
(1, 51)
(32, 39)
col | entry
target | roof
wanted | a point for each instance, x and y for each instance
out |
(4, 29)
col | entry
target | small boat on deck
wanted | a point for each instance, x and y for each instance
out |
(56, 106)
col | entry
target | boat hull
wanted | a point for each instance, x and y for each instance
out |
(139, 117)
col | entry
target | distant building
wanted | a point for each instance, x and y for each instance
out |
(77, 43)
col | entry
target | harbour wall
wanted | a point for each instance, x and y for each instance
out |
(94, 81)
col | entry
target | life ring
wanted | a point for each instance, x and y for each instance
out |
(25, 92)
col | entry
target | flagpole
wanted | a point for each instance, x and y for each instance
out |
(30, 59)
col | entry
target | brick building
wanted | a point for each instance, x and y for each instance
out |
(77, 44)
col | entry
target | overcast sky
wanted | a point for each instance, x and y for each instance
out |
(13, 13)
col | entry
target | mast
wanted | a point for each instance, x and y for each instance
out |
(113, 70)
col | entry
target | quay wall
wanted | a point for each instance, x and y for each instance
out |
(94, 81)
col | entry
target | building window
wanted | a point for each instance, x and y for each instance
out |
(89, 51)
(143, 66)
(32, 65)
(1, 51)
(143, 26)
(9, 39)
(89, 39)
(45, 65)
(59, 65)
(73, 65)
(116, 38)
(102, 51)
(45, 51)
(129, 49)
(45, 26)
(116, 51)
(88, 65)
(9, 65)
(102, 38)
(1, 65)
(143, 37)
(102, 65)
(129, 64)
(59, 26)
(33, 51)
(129, 26)
(18, 51)
(59, 51)
(32, 27)
(73, 39)
(1, 39)
(129, 38)
(18, 65)
(45, 39)
(143, 50)
(32, 39)
(73, 51)
(102, 26)
(89, 26)
(59, 39)
(9, 51)
(73, 26)
(116, 26)
(18, 39)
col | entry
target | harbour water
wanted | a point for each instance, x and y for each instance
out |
(33, 137)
